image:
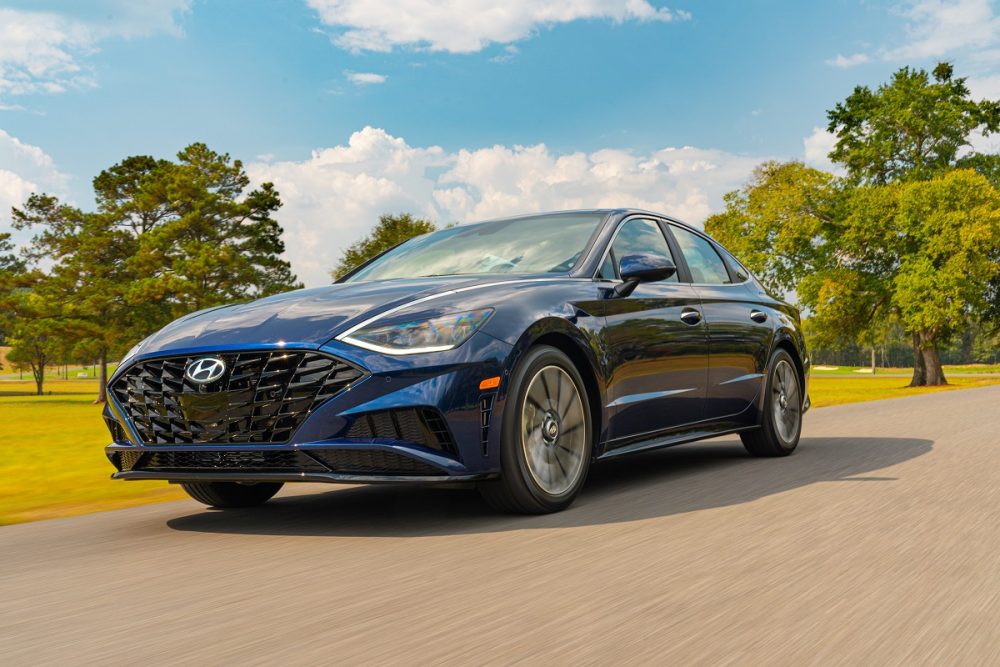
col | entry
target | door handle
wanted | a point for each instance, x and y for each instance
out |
(758, 316)
(690, 316)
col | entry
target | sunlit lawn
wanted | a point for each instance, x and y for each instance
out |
(826, 391)
(52, 461)
(949, 370)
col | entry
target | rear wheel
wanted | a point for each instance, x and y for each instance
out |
(231, 494)
(546, 441)
(781, 422)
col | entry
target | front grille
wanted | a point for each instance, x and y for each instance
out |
(373, 462)
(284, 461)
(117, 432)
(420, 426)
(263, 397)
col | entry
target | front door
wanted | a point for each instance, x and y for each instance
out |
(657, 345)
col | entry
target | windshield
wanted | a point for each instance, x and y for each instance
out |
(542, 244)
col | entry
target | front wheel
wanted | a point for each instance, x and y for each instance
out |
(781, 422)
(546, 442)
(226, 495)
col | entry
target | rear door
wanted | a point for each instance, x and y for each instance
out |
(740, 328)
(656, 344)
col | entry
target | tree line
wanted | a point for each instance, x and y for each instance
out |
(907, 240)
(167, 237)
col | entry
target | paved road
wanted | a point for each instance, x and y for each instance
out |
(877, 543)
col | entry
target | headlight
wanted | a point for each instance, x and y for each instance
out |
(433, 335)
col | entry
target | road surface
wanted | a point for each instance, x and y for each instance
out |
(878, 542)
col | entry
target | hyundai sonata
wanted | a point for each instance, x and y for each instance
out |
(511, 353)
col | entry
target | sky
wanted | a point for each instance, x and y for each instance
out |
(455, 110)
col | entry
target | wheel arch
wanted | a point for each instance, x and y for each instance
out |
(571, 341)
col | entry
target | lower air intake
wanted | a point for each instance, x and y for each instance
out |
(373, 462)
(419, 426)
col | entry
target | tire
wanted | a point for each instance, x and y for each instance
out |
(546, 437)
(781, 422)
(225, 495)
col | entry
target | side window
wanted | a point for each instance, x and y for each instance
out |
(705, 264)
(742, 275)
(635, 237)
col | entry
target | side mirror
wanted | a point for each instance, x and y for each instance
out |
(645, 268)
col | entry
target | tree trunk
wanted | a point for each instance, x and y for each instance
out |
(39, 373)
(929, 361)
(919, 368)
(873, 360)
(102, 390)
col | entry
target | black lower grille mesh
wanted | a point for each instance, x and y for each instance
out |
(262, 397)
(127, 460)
(373, 462)
(420, 426)
(284, 461)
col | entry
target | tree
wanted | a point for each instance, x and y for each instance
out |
(911, 128)
(919, 253)
(89, 276)
(36, 335)
(167, 238)
(390, 231)
(778, 223)
(202, 239)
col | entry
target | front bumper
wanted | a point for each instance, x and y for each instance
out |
(317, 462)
(365, 434)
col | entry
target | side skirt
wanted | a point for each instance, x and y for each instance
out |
(671, 440)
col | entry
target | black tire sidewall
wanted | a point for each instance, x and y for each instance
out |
(772, 429)
(513, 463)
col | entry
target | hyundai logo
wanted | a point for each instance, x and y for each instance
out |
(205, 370)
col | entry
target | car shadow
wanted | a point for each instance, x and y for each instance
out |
(676, 480)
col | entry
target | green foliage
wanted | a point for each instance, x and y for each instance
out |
(914, 127)
(777, 223)
(202, 240)
(390, 231)
(920, 254)
(37, 335)
(167, 238)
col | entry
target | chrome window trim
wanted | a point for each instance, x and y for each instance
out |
(713, 243)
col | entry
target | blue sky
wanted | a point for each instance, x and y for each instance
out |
(454, 110)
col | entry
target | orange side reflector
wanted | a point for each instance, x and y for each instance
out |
(490, 383)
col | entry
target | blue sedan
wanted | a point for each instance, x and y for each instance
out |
(512, 353)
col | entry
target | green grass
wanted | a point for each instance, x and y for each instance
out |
(826, 391)
(52, 461)
(949, 370)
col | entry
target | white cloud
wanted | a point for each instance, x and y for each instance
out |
(24, 169)
(43, 52)
(939, 27)
(816, 150)
(336, 195)
(365, 78)
(466, 26)
(848, 61)
(936, 29)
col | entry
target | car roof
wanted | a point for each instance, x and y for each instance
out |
(617, 213)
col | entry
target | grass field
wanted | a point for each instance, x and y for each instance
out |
(959, 369)
(52, 461)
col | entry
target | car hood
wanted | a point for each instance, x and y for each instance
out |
(304, 317)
